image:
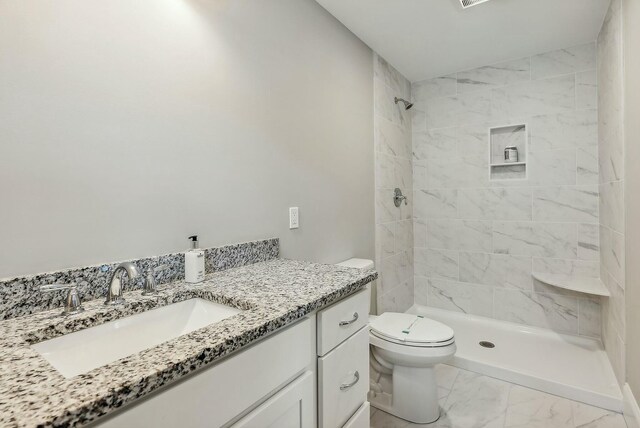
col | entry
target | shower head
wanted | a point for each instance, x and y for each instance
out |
(407, 104)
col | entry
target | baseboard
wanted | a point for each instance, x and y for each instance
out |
(631, 409)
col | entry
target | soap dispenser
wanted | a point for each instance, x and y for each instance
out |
(194, 262)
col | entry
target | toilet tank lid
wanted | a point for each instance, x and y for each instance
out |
(358, 263)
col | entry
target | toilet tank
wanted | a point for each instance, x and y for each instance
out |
(365, 264)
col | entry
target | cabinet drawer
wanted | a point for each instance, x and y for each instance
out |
(361, 418)
(339, 321)
(343, 380)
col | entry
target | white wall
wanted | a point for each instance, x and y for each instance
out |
(126, 126)
(477, 241)
(631, 41)
(394, 227)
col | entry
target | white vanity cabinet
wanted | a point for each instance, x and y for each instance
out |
(343, 362)
(314, 373)
(216, 396)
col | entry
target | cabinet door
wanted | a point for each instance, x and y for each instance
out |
(290, 408)
(343, 380)
(361, 417)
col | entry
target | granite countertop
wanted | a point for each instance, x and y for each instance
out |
(273, 294)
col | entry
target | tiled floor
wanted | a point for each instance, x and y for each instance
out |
(470, 400)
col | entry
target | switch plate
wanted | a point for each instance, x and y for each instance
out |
(294, 218)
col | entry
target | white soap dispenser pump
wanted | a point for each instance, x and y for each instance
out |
(194, 263)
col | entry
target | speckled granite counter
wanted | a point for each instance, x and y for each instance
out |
(273, 294)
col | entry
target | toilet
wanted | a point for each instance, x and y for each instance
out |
(406, 348)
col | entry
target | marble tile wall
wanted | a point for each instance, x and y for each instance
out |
(476, 239)
(611, 183)
(394, 226)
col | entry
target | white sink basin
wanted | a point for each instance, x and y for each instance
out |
(85, 350)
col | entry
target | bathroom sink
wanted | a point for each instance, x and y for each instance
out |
(85, 350)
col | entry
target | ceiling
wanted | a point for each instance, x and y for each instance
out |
(430, 38)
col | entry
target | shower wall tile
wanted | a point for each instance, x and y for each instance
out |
(589, 269)
(435, 143)
(495, 203)
(564, 61)
(393, 128)
(496, 270)
(467, 171)
(386, 211)
(587, 166)
(491, 76)
(442, 112)
(587, 90)
(390, 139)
(473, 299)
(552, 168)
(613, 254)
(420, 178)
(404, 236)
(552, 311)
(477, 239)
(589, 242)
(472, 140)
(566, 203)
(421, 290)
(386, 172)
(434, 88)
(611, 177)
(403, 174)
(612, 205)
(386, 239)
(418, 118)
(419, 233)
(436, 263)
(390, 77)
(474, 107)
(461, 235)
(436, 203)
(535, 239)
(536, 97)
(564, 131)
(385, 106)
(589, 317)
(397, 300)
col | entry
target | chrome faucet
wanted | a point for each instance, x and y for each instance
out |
(114, 289)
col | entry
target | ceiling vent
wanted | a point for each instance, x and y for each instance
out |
(469, 3)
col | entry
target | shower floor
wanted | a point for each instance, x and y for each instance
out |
(568, 366)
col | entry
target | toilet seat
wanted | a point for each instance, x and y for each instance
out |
(411, 330)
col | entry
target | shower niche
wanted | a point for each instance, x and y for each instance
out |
(508, 152)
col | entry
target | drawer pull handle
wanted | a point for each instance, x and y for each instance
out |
(351, 321)
(346, 386)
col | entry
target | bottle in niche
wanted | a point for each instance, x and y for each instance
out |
(194, 263)
(510, 154)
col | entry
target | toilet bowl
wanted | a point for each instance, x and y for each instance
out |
(406, 348)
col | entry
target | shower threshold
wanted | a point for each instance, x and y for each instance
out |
(567, 366)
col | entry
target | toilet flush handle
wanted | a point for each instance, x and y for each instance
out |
(356, 378)
(351, 321)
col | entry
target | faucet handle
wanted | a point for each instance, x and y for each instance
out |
(73, 304)
(160, 268)
(150, 285)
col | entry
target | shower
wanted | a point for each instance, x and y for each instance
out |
(407, 104)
